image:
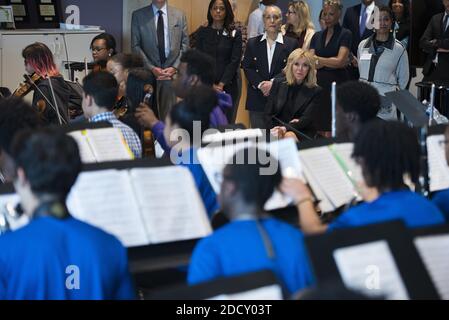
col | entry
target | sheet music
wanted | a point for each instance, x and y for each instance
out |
(370, 268)
(325, 203)
(438, 168)
(214, 159)
(328, 176)
(170, 203)
(345, 150)
(435, 255)
(86, 153)
(273, 292)
(108, 144)
(105, 199)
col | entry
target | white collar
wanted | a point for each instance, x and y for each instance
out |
(261, 6)
(279, 38)
(370, 8)
(163, 9)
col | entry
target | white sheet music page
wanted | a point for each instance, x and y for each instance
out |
(435, 255)
(328, 175)
(273, 292)
(345, 150)
(438, 168)
(170, 204)
(8, 203)
(105, 199)
(370, 268)
(108, 144)
(86, 152)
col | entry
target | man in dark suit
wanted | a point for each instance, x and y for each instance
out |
(265, 58)
(435, 42)
(159, 34)
(355, 20)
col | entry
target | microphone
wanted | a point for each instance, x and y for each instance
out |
(291, 128)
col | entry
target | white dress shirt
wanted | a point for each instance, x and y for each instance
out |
(369, 12)
(270, 50)
(166, 30)
(256, 26)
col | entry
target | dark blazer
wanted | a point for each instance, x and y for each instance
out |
(305, 104)
(351, 21)
(144, 36)
(225, 49)
(435, 31)
(255, 65)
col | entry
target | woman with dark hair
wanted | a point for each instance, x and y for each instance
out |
(223, 42)
(179, 133)
(401, 11)
(331, 48)
(388, 154)
(103, 47)
(119, 66)
(51, 94)
(383, 63)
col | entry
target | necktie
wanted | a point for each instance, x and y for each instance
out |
(445, 22)
(363, 23)
(161, 36)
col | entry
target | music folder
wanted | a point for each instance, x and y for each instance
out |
(432, 244)
(99, 142)
(261, 285)
(378, 260)
(412, 109)
(141, 202)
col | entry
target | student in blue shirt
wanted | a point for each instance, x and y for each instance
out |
(55, 256)
(253, 240)
(441, 198)
(184, 127)
(388, 153)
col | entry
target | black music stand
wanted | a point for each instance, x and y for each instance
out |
(411, 268)
(413, 110)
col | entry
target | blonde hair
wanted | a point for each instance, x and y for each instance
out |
(334, 3)
(305, 21)
(310, 80)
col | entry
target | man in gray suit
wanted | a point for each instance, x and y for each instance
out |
(159, 34)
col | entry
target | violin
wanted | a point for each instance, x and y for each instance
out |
(28, 85)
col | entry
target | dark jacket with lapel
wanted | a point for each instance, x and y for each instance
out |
(304, 106)
(351, 21)
(255, 65)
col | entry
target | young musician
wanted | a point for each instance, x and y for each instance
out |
(181, 123)
(441, 198)
(56, 257)
(388, 154)
(103, 47)
(253, 240)
(357, 104)
(100, 93)
(15, 115)
(51, 93)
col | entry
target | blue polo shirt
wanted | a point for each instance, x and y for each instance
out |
(441, 200)
(53, 259)
(238, 248)
(415, 210)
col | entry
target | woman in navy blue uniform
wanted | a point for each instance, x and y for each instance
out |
(265, 58)
(252, 241)
(57, 257)
(223, 42)
(388, 154)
